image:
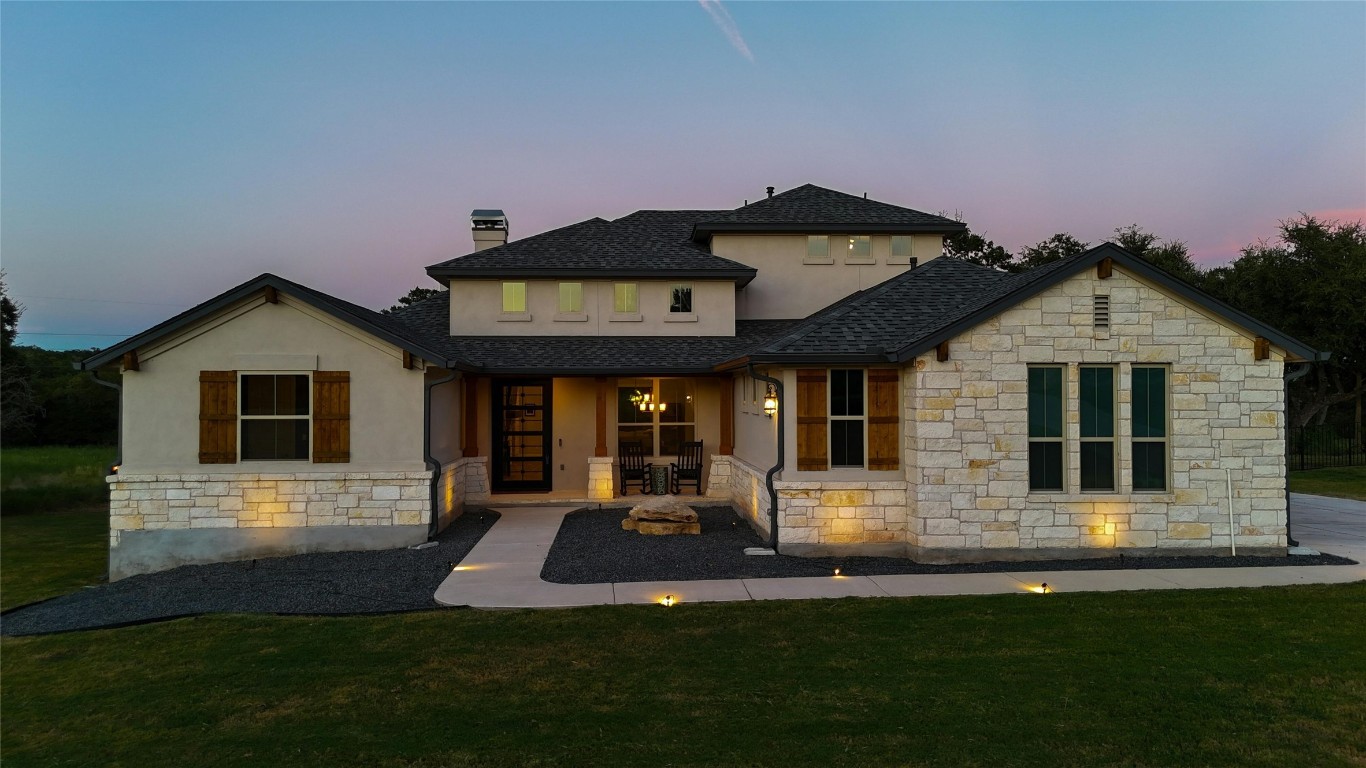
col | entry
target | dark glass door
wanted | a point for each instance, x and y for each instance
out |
(521, 435)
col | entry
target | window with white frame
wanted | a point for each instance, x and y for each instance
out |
(514, 297)
(847, 418)
(1097, 403)
(571, 298)
(680, 298)
(660, 414)
(274, 416)
(625, 298)
(817, 250)
(901, 249)
(859, 250)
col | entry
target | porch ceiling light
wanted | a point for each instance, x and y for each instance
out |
(770, 401)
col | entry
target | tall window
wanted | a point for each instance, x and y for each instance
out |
(860, 249)
(1045, 428)
(680, 298)
(901, 249)
(660, 414)
(514, 296)
(274, 417)
(571, 297)
(1150, 428)
(817, 250)
(1097, 428)
(624, 299)
(846, 418)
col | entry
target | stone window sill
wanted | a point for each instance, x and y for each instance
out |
(1158, 497)
(860, 262)
(818, 261)
(681, 317)
(625, 317)
(571, 317)
(515, 317)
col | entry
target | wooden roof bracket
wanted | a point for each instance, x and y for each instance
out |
(1105, 267)
(941, 352)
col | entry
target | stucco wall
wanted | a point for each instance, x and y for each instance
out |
(787, 288)
(477, 310)
(970, 433)
(161, 401)
(756, 434)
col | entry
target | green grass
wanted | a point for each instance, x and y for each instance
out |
(55, 521)
(1264, 677)
(1343, 482)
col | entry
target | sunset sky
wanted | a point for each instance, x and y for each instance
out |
(157, 154)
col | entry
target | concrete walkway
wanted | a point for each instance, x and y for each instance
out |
(504, 570)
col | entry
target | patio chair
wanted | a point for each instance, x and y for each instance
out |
(688, 469)
(633, 466)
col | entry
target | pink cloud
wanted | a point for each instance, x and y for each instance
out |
(1340, 214)
(729, 28)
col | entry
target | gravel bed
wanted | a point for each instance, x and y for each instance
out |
(323, 583)
(592, 548)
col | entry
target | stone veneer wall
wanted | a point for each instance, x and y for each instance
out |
(244, 500)
(833, 515)
(967, 434)
(461, 480)
(743, 485)
(600, 477)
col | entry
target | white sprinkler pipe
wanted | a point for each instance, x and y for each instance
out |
(1228, 479)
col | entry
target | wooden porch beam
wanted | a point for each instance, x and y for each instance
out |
(471, 398)
(600, 447)
(727, 416)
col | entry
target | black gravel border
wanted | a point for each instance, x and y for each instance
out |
(319, 584)
(592, 548)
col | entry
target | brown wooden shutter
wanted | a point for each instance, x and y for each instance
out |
(218, 417)
(884, 403)
(331, 417)
(813, 423)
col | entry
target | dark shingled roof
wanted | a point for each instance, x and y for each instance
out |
(674, 226)
(584, 355)
(810, 208)
(594, 248)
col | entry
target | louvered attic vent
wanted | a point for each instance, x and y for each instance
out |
(1100, 312)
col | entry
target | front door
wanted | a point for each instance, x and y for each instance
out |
(521, 435)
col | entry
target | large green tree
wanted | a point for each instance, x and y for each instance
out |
(1055, 248)
(1310, 283)
(970, 246)
(414, 296)
(17, 405)
(1171, 256)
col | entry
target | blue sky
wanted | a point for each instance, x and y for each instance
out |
(157, 154)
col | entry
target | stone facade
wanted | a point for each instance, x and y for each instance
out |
(835, 515)
(967, 437)
(600, 477)
(296, 500)
(742, 484)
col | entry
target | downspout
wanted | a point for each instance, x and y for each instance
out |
(773, 470)
(1299, 372)
(432, 463)
(113, 469)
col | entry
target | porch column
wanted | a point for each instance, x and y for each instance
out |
(600, 448)
(727, 416)
(471, 398)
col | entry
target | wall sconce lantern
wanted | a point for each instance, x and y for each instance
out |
(770, 401)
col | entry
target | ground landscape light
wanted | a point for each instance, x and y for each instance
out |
(668, 601)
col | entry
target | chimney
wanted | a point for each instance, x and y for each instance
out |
(770, 191)
(490, 228)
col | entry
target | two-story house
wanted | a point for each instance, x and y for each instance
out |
(854, 390)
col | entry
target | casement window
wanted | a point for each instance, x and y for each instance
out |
(514, 297)
(274, 416)
(1045, 428)
(625, 299)
(1150, 441)
(818, 250)
(660, 414)
(847, 419)
(1097, 405)
(571, 298)
(680, 298)
(859, 249)
(901, 249)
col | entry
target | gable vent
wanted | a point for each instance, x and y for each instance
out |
(1100, 312)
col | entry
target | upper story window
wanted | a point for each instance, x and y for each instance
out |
(901, 249)
(818, 250)
(571, 298)
(859, 250)
(680, 298)
(846, 418)
(514, 297)
(625, 299)
(274, 417)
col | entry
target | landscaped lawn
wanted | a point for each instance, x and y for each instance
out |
(1264, 677)
(1344, 482)
(54, 521)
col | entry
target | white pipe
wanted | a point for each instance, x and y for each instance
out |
(1228, 479)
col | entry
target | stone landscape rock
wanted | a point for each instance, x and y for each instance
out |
(661, 516)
